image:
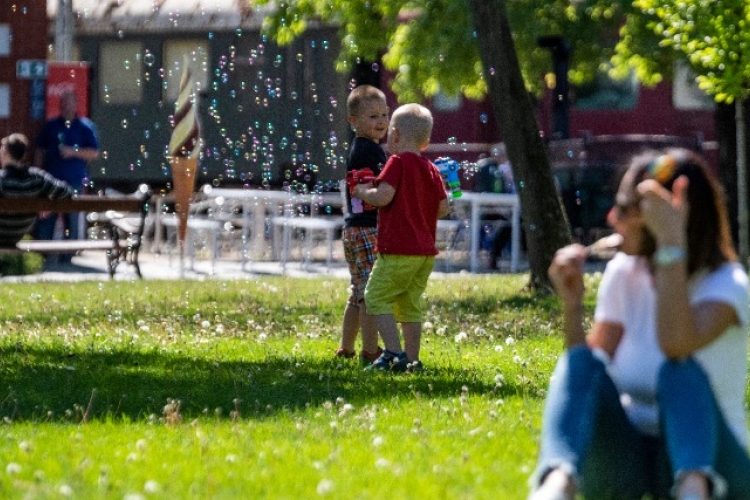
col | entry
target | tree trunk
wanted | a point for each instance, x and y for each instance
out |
(726, 134)
(544, 220)
(742, 214)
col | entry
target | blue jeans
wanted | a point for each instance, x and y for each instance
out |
(45, 229)
(586, 432)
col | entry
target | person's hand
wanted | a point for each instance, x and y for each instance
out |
(566, 273)
(361, 188)
(665, 212)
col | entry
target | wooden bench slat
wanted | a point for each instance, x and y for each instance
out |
(69, 246)
(80, 203)
(116, 247)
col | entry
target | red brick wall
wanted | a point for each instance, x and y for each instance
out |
(28, 29)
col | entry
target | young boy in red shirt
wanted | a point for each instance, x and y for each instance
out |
(410, 196)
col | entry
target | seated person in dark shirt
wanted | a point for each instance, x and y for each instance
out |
(18, 180)
(494, 175)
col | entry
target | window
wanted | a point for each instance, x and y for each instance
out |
(686, 94)
(4, 100)
(120, 70)
(174, 57)
(607, 93)
(5, 39)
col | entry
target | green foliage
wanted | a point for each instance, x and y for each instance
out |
(20, 264)
(436, 51)
(230, 390)
(711, 36)
(430, 45)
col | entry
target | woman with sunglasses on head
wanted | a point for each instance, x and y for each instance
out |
(651, 401)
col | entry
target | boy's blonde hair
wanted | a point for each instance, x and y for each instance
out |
(414, 122)
(361, 94)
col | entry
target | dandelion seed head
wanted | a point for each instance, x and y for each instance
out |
(510, 340)
(12, 468)
(325, 486)
(151, 486)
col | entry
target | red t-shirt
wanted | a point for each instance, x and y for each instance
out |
(407, 225)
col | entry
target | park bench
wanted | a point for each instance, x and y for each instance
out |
(119, 236)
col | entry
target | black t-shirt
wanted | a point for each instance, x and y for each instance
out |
(364, 153)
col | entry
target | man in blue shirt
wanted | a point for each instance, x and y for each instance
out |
(64, 147)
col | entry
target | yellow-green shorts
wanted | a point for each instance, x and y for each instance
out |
(396, 286)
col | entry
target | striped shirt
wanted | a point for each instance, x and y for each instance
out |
(22, 182)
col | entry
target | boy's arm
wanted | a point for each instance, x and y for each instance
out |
(377, 196)
(445, 208)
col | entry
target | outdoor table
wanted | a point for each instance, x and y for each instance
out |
(479, 202)
(256, 202)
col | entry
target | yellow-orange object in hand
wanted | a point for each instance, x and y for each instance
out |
(183, 185)
(184, 149)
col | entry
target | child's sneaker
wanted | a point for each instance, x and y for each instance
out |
(343, 353)
(388, 360)
(368, 358)
(414, 367)
(400, 364)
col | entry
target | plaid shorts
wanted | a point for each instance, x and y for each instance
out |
(359, 251)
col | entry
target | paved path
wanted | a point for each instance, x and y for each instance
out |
(92, 266)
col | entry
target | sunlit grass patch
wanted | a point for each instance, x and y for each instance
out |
(231, 390)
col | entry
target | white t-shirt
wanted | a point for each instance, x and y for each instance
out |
(626, 296)
(725, 359)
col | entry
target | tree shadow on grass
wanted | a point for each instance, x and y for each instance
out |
(490, 303)
(52, 384)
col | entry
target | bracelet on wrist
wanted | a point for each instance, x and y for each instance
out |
(669, 255)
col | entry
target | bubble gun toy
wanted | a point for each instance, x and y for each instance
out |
(449, 170)
(354, 177)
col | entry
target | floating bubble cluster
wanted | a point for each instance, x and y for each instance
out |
(273, 117)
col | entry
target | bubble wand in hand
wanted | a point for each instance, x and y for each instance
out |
(604, 248)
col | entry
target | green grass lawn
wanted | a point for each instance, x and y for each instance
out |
(230, 390)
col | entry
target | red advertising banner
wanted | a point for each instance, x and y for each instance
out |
(63, 77)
